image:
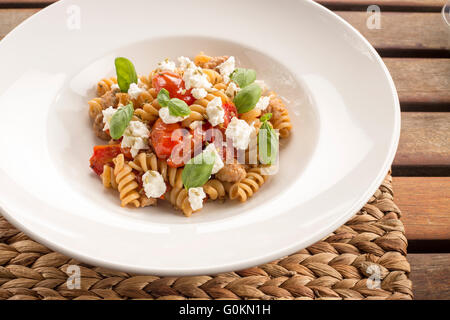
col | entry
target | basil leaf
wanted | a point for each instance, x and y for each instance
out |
(126, 74)
(120, 120)
(243, 77)
(198, 170)
(247, 98)
(267, 144)
(178, 108)
(163, 97)
(265, 117)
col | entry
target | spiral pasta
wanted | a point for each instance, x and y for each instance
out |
(214, 189)
(104, 85)
(201, 59)
(251, 116)
(108, 177)
(280, 115)
(146, 81)
(245, 188)
(179, 198)
(149, 161)
(213, 76)
(198, 109)
(148, 106)
(126, 182)
(146, 97)
(95, 107)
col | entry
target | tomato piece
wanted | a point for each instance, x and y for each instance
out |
(173, 83)
(230, 112)
(161, 138)
(172, 145)
(104, 154)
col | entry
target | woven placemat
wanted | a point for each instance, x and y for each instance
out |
(364, 259)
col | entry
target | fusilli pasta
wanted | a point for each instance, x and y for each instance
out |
(141, 161)
(104, 85)
(126, 182)
(245, 188)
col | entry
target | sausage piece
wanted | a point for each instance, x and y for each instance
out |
(98, 128)
(232, 172)
(215, 62)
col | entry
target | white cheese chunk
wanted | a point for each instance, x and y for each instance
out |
(196, 124)
(115, 86)
(166, 65)
(186, 63)
(166, 117)
(232, 90)
(239, 132)
(218, 163)
(199, 93)
(135, 137)
(195, 78)
(134, 91)
(196, 196)
(262, 103)
(226, 68)
(154, 185)
(215, 111)
(107, 115)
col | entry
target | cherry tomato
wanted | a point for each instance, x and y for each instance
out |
(105, 154)
(161, 138)
(173, 83)
(230, 112)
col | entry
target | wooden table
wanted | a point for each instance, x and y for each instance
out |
(414, 42)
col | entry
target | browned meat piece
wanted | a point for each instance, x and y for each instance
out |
(232, 172)
(214, 62)
(146, 202)
(98, 128)
(109, 99)
(276, 106)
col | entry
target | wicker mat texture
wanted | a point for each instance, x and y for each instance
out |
(344, 265)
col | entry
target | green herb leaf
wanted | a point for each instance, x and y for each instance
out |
(247, 98)
(267, 144)
(126, 73)
(178, 108)
(163, 97)
(243, 77)
(265, 117)
(120, 120)
(198, 170)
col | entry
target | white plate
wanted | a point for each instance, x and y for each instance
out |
(342, 101)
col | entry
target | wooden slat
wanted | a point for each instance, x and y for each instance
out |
(403, 30)
(425, 206)
(430, 275)
(420, 81)
(386, 3)
(10, 18)
(424, 140)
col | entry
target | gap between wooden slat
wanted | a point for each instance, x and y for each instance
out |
(430, 276)
(385, 5)
(428, 246)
